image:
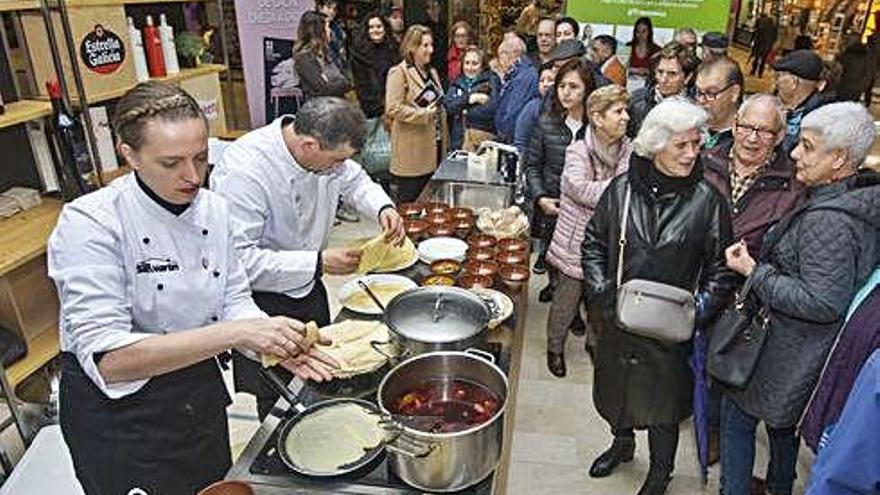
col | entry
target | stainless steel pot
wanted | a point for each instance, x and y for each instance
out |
(428, 319)
(445, 462)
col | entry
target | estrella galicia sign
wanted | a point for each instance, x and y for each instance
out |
(102, 51)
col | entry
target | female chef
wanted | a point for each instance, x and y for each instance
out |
(151, 292)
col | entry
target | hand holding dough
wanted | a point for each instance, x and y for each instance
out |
(311, 337)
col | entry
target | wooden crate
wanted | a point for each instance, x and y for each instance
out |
(98, 86)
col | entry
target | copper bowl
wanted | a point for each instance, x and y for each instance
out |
(481, 254)
(486, 268)
(471, 281)
(481, 241)
(511, 257)
(410, 210)
(513, 245)
(432, 280)
(463, 226)
(462, 213)
(438, 218)
(445, 267)
(227, 487)
(415, 228)
(441, 230)
(435, 207)
(514, 277)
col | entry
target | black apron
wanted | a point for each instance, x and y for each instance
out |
(246, 372)
(170, 437)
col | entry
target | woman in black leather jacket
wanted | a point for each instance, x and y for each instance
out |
(677, 231)
(561, 123)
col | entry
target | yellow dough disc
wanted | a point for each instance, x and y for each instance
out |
(380, 256)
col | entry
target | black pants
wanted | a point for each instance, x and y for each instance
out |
(408, 189)
(758, 62)
(246, 372)
(171, 437)
(663, 443)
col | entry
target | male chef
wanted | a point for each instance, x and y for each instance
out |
(283, 182)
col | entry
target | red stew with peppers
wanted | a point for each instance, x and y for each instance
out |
(446, 406)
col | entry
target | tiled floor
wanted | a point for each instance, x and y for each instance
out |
(558, 432)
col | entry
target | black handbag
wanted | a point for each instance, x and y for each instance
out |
(736, 339)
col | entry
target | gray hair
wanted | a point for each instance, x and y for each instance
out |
(513, 44)
(670, 116)
(764, 99)
(847, 126)
(334, 122)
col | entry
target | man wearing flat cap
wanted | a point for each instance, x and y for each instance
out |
(798, 77)
(714, 46)
(570, 49)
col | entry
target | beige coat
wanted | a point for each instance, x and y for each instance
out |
(413, 144)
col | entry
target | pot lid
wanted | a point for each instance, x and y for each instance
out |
(437, 314)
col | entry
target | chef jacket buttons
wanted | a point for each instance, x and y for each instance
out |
(146, 240)
(204, 231)
(160, 286)
(214, 318)
(216, 273)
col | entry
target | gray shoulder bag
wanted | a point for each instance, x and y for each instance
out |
(651, 309)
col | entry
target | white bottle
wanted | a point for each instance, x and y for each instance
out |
(137, 48)
(169, 50)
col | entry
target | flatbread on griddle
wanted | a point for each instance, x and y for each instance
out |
(351, 346)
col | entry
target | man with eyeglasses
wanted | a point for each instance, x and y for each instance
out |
(719, 91)
(798, 84)
(673, 70)
(757, 178)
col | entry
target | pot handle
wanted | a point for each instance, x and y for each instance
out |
(410, 447)
(481, 354)
(391, 357)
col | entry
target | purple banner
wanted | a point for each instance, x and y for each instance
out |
(266, 31)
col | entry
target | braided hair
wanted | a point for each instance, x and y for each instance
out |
(149, 101)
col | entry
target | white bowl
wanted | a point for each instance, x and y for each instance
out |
(442, 248)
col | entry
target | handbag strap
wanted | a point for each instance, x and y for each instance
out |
(622, 242)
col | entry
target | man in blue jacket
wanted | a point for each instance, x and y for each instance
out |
(520, 85)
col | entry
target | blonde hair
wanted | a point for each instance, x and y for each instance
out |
(412, 40)
(605, 97)
(150, 101)
(461, 24)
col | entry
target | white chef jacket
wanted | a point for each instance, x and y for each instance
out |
(282, 213)
(126, 268)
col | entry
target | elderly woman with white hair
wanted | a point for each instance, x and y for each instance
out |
(676, 230)
(811, 265)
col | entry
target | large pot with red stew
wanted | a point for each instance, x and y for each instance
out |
(447, 408)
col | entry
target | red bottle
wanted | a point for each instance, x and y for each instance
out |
(153, 47)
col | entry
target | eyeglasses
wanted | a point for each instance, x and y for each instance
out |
(712, 95)
(746, 130)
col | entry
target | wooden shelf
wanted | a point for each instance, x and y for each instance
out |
(13, 5)
(23, 236)
(184, 74)
(19, 112)
(92, 3)
(40, 350)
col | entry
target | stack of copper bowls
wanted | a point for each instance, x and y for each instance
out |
(434, 219)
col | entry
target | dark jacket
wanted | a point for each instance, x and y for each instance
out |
(370, 63)
(676, 234)
(545, 156)
(775, 193)
(641, 102)
(859, 338)
(319, 77)
(857, 74)
(525, 124)
(811, 268)
(519, 86)
(464, 115)
(764, 36)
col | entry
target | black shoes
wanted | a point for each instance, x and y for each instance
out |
(655, 485)
(556, 364)
(546, 294)
(621, 451)
(540, 266)
(578, 327)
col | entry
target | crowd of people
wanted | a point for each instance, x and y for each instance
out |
(685, 182)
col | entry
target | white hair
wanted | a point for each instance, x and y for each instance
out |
(763, 99)
(847, 126)
(670, 116)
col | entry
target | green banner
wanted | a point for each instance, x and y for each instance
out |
(702, 15)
